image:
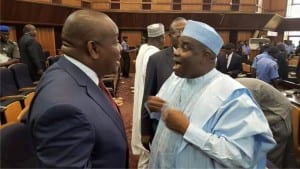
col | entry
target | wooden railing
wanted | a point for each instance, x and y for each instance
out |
(158, 5)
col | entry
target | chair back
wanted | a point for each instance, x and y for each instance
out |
(51, 60)
(246, 68)
(12, 111)
(8, 85)
(17, 149)
(22, 116)
(112, 81)
(296, 131)
(21, 75)
(28, 99)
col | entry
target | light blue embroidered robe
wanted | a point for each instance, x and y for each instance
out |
(227, 129)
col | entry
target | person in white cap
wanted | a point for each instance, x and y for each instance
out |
(155, 42)
(159, 68)
(208, 120)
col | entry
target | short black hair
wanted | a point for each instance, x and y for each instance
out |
(273, 51)
(229, 46)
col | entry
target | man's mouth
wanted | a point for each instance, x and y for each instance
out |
(177, 63)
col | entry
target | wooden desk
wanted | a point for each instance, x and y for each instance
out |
(294, 98)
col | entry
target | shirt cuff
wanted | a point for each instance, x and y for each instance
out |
(196, 135)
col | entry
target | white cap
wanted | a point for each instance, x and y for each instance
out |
(205, 34)
(155, 30)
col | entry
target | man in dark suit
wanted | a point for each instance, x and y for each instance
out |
(31, 52)
(74, 123)
(159, 68)
(229, 63)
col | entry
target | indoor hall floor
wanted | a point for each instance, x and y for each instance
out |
(126, 111)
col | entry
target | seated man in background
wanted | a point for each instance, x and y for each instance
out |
(277, 110)
(9, 50)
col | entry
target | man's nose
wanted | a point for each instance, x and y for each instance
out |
(177, 51)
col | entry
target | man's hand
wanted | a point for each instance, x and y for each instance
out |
(175, 120)
(155, 103)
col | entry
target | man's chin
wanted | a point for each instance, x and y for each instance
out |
(179, 74)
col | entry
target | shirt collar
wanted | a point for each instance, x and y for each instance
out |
(203, 78)
(89, 72)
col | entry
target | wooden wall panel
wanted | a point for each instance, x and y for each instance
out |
(244, 35)
(161, 7)
(12, 34)
(220, 5)
(278, 7)
(132, 5)
(45, 35)
(191, 2)
(267, 5)
(43, 1)
(37, 1)
(134, 37)
(248, 6)
(224, 35)
(100, 5)
(76, 3)
(161, 1)
(191, 7)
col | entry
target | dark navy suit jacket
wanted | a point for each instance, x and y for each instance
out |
(235, 65)
(73, 123)
(159, 68)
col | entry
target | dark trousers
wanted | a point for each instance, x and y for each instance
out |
(126, 64)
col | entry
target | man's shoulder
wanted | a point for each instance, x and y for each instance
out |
(26, 38)
(10, 42)
(162, 53)
(236, 55)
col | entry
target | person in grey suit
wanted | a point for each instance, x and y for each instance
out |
(73, 122)
(31, 52)
(159, 68)
(278, 111)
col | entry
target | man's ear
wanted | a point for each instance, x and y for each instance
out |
(92, 49)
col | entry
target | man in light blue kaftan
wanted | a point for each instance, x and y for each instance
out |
(208, 120)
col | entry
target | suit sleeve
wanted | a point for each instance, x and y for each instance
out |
(238, 68)
(35, 53)
(149, 89)
(63, 138)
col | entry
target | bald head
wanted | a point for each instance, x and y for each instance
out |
(83, 25)
(29, 29)
(91, 38)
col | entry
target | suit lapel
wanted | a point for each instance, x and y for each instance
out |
(169, 57)
(101, 99)
(93, 91)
